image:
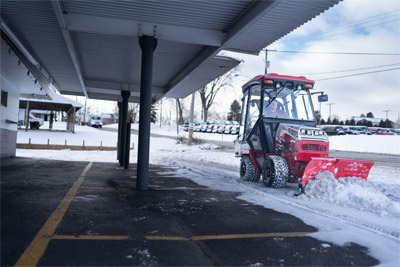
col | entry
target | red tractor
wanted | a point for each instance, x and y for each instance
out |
(279, 138)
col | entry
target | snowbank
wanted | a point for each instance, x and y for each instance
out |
(355, 193)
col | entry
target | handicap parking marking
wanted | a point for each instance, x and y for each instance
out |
(38, 246)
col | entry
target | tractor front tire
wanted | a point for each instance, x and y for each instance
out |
(275, 172)
(248, 171)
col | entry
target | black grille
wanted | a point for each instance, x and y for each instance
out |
(313, 147)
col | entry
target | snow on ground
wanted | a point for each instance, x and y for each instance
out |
(344, 210)
(384, 144)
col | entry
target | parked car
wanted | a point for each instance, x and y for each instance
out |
(95, 121)
(377, 130)
(228, 129)
(333, 129)
(185, 126)
(351, 130)
(35, 123)
(210, 127)
(198, 127)
(235, 129)
(363, 129)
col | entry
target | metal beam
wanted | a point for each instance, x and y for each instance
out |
(113, 26)
(241, 24)
(69, 42)
(98, 96)
(157, 90)
(252, 15)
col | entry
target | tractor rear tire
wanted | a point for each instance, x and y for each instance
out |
(248, 171)
(275, 172)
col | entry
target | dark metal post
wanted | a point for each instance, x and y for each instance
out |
(119, 131)
(27, 116)
(124, 121)
(127, 146)
(148, 45)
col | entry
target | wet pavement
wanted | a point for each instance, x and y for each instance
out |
(58, 213)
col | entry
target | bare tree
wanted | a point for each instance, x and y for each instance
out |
(208, 92)
(179, 103)
(133, 109)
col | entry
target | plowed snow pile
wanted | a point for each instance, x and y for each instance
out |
(354, 193)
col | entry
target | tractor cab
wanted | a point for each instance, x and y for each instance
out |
(268, 101)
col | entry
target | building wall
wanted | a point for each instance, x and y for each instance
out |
(9, 120)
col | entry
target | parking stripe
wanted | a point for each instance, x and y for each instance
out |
(218, 237)
(34, 252)
(90, 237)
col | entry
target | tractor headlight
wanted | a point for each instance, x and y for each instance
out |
(278, 85)
(299, 87)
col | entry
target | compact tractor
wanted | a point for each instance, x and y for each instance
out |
(279, 138)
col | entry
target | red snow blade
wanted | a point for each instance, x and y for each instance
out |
(338, 167)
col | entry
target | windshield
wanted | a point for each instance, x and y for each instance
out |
(289, 104)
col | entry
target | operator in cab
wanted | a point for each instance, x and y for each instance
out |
(274, 110)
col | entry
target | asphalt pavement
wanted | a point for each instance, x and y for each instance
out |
(58, 213)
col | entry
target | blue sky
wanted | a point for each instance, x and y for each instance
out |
(368, 26)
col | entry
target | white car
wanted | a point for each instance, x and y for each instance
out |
(351, 130)
(95, 121)
(33, 120)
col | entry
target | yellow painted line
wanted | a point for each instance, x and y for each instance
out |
(90, 237)
(104, 188)
(35, 250)
(219, 237)
(179, 188)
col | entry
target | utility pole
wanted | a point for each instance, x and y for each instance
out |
(84, 112)
(387, 111)
(191, 125)
(267, 65)
(160, 112)
(330, 105)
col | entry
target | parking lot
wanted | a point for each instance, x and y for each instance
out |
(85, 214)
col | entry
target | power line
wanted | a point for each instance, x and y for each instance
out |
(322, 34)
(385, 15)
(358, 74)
(335, 53)
(327, 72)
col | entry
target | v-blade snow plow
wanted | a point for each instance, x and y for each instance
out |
(338, 167)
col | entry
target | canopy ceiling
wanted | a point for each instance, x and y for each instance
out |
(91, 47)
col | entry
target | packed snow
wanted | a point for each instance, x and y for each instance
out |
(344, 210)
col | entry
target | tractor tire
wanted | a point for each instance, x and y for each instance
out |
(248, 171)
(275, 172)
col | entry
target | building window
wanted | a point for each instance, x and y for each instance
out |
(4, 98)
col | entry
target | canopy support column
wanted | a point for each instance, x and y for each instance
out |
(124, 120)
(148, 45)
